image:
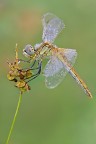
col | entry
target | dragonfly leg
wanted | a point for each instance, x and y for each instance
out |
(31, 68)
(27, 61)
(38, 72)
(33, 63)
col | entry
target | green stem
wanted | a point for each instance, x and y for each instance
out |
(14, 119)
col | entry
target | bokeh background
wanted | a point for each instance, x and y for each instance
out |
(64, 115)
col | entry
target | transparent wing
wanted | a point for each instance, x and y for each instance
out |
(52, 26)
(57, 69)
(54, 72)
(70, 55)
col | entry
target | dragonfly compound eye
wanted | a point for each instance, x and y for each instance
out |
(28, 50)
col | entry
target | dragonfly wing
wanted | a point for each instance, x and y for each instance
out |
(52, 26)
(57, 68)
(54, 72)
(70, 55)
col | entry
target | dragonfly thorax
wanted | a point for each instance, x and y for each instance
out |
(37, 46)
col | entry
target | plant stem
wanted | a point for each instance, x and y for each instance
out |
(14, 119)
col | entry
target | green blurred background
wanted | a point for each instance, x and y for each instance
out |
(64, 115)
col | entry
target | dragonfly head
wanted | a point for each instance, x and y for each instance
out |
(28, 50)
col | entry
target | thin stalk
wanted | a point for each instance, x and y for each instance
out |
(14, 119)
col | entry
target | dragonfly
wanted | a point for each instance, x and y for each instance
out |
(60, 60)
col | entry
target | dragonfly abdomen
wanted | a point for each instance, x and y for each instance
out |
(80, 81)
